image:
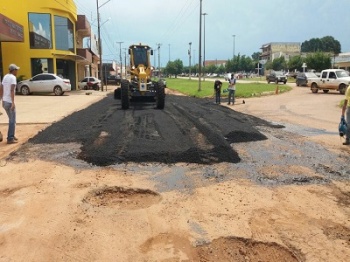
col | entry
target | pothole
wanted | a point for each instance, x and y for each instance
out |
(241, 249)
(122, 198)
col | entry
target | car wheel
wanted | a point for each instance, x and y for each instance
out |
(297, 83)
(85, 88)
(57, 91)
(342, 89)
(25, 90)
(314, 88)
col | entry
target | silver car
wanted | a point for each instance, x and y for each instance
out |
(44, 83)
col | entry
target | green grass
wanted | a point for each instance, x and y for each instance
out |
(244, 90)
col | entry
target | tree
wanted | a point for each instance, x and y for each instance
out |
(211, 68)
(318, 61)
(295, 63)
(324, 44)
(256, 56)
(279, 64)
(239, 64)
(174, 67)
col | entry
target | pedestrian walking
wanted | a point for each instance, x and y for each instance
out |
(231, 90)
(346, 113)
(217, 90)
(7, 94)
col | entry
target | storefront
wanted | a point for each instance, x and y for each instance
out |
(10, 31)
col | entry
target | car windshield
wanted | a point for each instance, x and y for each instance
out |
(311, 75)
(342, 73)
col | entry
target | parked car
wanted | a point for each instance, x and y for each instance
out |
(114, 79)
(227, 76)
(276, 76)
(44, 83)
(90, 83)
(303, 79)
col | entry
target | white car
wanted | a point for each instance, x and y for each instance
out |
(89, 83)
(44, 83)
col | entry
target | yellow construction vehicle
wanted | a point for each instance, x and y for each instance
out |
(140, 83)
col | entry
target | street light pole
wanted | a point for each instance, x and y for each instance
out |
(234, 39)
(159, 61)
(125, 49)
(99, 41)
(169, 52)
(204, 14)
(120, 58)
(189, 60)
(99, 45)
(200, 48)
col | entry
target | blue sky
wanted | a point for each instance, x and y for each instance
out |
(174, 24)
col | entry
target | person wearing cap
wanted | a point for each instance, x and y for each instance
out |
(7, 94)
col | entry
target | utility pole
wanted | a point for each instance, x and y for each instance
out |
(159, 61)
(99, 41)
(189, 59)
(99, 45)
(125, 49)
(200, 48)
(234, 39)
(204, 14)
(169, 52)
(120, 58)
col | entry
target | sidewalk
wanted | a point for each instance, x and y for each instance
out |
(36, 112)
(48, 108)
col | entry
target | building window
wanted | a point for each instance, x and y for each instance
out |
(64, 34)
(41, 65)
(40, 31)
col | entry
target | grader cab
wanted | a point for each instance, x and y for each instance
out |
(140, 83)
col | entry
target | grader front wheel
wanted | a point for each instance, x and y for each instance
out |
(125, 95)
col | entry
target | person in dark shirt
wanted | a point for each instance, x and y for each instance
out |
(217, 89)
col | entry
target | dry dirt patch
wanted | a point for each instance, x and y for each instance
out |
(122, 198)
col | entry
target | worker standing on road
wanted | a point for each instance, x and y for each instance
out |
(231, 89)
(346, 112)
(7, 94)
(217, 90)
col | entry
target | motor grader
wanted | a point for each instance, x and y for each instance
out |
(140, 83)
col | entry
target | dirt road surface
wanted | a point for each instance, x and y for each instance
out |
(234, 187)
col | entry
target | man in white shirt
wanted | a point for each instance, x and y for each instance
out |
(7, 94)
(231, 90)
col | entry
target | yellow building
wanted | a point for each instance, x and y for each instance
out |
(45, 36)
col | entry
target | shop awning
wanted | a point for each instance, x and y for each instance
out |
(77, 58)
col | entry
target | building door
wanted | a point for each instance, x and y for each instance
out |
(66, 69)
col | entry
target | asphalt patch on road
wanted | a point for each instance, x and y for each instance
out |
(188, 130)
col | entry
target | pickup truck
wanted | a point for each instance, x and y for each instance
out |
(276, 77)
(331, 79)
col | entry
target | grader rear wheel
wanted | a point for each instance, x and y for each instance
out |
(160, 95)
